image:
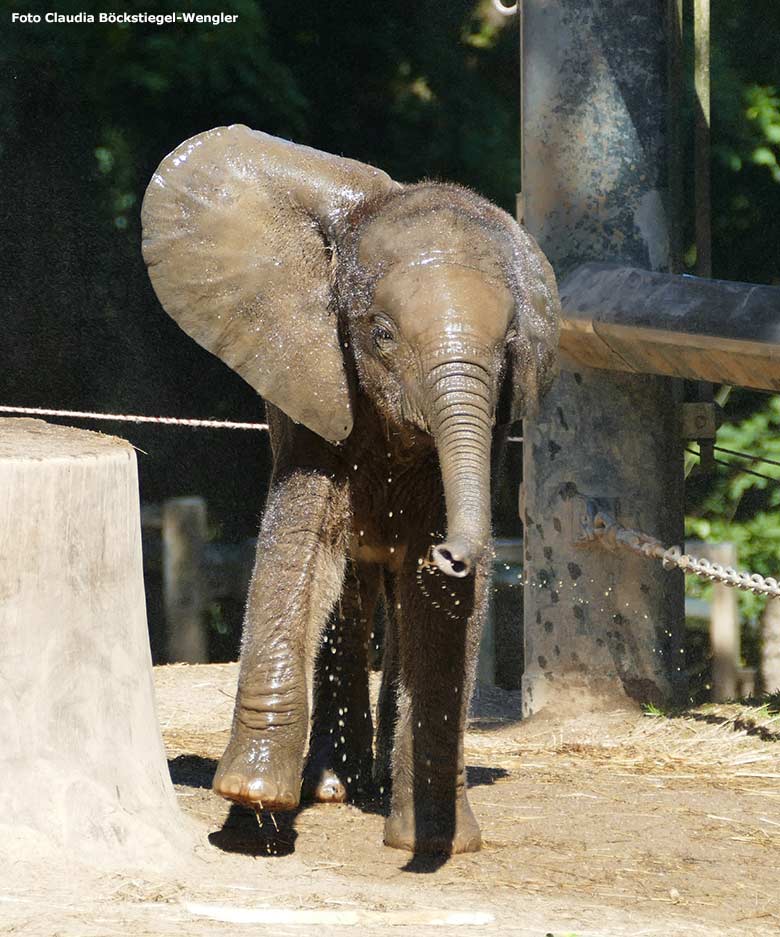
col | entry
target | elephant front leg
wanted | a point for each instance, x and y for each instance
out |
(340, 758)
(297, 578)
(440, 621)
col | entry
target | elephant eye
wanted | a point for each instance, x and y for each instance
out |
(382, 336)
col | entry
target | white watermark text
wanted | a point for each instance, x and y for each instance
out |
(126, 19)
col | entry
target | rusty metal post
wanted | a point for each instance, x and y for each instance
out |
(602, 630)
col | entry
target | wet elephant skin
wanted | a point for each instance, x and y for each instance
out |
(394, 332)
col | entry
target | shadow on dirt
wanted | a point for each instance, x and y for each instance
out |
(739, 723)
(266, 834)
(192, 770)
(258, 834)
(480, 776)
(755, 715)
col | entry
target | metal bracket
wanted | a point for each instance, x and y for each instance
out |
(592, 519)
(700, 420)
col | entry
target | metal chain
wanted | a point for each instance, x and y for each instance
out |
(601, 526)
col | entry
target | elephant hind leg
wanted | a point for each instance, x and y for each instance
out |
(340, 752)
(297, 579)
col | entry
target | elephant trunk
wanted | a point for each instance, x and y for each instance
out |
(461, 422)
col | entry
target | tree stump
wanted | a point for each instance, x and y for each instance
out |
(82, 765)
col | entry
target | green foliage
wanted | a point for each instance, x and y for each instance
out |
(746, 140)
(737, 505)
(733, 504)
(757, 139)
(763, 114)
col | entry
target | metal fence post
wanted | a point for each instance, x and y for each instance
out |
(601, 629)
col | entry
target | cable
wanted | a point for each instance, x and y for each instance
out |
(744, 455)
(739, 468)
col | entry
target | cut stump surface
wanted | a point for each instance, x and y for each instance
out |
(82, 766)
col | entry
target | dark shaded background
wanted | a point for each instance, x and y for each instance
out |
(88, 111)
(422, 89)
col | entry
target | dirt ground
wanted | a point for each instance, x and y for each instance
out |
(628, 825)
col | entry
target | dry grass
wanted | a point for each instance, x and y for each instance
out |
(699, 741)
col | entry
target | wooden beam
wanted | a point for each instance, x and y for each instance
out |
(638, 321)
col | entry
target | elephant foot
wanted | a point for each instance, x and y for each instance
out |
(248, 776)
(325, 787)
(436, 832)
(329, 778)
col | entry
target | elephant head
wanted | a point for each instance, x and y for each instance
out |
(298, 268)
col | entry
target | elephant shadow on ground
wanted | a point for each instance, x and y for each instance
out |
(266, 834)
(257, 833)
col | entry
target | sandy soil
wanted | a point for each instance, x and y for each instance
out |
(629, 825)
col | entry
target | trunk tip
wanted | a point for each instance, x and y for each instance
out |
(453, 559)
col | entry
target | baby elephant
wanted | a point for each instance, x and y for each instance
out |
(393, 331)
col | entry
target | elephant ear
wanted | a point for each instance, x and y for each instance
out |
(537, 325)
(239, 234)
